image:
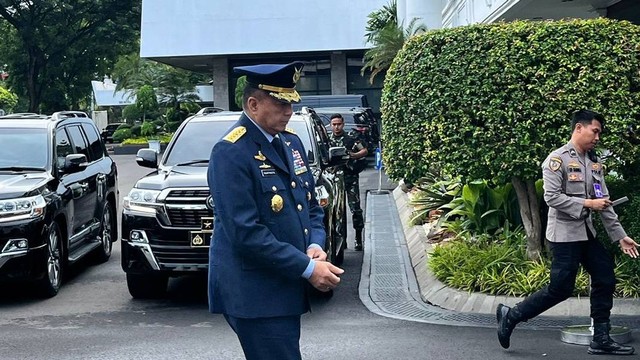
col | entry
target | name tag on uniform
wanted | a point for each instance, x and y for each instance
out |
(597, 189)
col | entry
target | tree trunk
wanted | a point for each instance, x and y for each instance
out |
(530, 213)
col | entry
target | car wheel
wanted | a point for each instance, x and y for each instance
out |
(145, 286)
(50, 283)
(106, 234)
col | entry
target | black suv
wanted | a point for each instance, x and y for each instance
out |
(58, 196)
(357, 120)
(107, 132)
(167, 219)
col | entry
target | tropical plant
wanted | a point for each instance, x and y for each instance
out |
(241, 83)
(432, 194)
(146, 100)
(8, 100)
(386, 37)
(492, 101)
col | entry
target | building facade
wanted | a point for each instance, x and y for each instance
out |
(215, 36)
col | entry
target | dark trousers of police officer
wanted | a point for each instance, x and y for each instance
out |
(567, 256)
(352, 187)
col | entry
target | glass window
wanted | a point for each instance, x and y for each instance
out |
(97, 150)
(63, 148)
(196, 140)
(359, 84)
(79, 142)
(23, 148)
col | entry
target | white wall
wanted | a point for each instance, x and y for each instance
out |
(223, 27)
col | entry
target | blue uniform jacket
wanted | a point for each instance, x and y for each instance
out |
(266, 216)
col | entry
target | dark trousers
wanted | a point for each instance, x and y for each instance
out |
(352, 187)
(275, 338)
(564, 267)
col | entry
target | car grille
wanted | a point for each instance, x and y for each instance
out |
(185, 207)
(180, 255)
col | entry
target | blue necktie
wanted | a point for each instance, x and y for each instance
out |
(277, 144)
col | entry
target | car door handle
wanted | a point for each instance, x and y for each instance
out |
(102, 177)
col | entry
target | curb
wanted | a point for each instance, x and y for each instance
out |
(432, 291)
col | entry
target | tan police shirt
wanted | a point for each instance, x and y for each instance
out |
(569, 179)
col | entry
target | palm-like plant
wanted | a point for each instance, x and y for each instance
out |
(387, 42)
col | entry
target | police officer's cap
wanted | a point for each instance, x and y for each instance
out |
(278, 80)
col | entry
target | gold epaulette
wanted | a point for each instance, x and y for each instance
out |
(290, 131)
(235, 134)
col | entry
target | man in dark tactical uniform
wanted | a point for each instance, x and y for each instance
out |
(356, 150)
(574, 188)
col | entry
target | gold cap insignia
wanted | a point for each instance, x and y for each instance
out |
(297, 73)
(260, 156)
(554, 163)
(277, 203)
(235, 134)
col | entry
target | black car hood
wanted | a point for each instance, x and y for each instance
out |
(15, 185)
(173, 177)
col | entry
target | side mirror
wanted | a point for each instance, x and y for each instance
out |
(74, 163)
(338, 156)
(147, 158)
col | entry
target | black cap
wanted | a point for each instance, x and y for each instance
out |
(278, 80)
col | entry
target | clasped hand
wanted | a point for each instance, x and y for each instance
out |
(325, 274)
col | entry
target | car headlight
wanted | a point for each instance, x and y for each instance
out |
(22, 208)
(142, 201)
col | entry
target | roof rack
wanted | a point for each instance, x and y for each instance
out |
(209, 110)
(23, 116)
(68, 114)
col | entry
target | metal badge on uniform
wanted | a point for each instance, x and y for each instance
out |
(299, 167)
(597, 189)
(268, 172)
(573, 153)
(260, 156)
(574, 177)
(277, 203)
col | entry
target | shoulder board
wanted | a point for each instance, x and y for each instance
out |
(235, 134)
(290, 131)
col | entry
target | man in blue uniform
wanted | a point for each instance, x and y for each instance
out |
(269, 236)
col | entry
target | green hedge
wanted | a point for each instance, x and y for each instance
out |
(491, 101)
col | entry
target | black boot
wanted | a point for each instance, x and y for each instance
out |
(358, 246)
(507, 320)
(602, 344)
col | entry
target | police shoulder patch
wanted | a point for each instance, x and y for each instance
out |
(290, 131)
(235, 134)
(555, 163)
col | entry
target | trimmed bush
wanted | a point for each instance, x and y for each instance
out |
(491, 101)
(135, 130)
(147, 128)
(8, 100)
(121, 134)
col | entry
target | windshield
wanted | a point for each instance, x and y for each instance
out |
(23, 148)
(196, 140)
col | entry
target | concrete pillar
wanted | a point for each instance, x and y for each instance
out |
(221, 82)
(338, 73)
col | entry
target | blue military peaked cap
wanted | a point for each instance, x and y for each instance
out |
(278, 80)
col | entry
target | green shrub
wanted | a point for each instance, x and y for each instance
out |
(147, 128)
(132, 113)
(498, 266)
(491, 101)
(159, 124)
(136, 130)
(8, 100)
(121, 134)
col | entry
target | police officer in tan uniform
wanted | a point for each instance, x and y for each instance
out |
(574, 188)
